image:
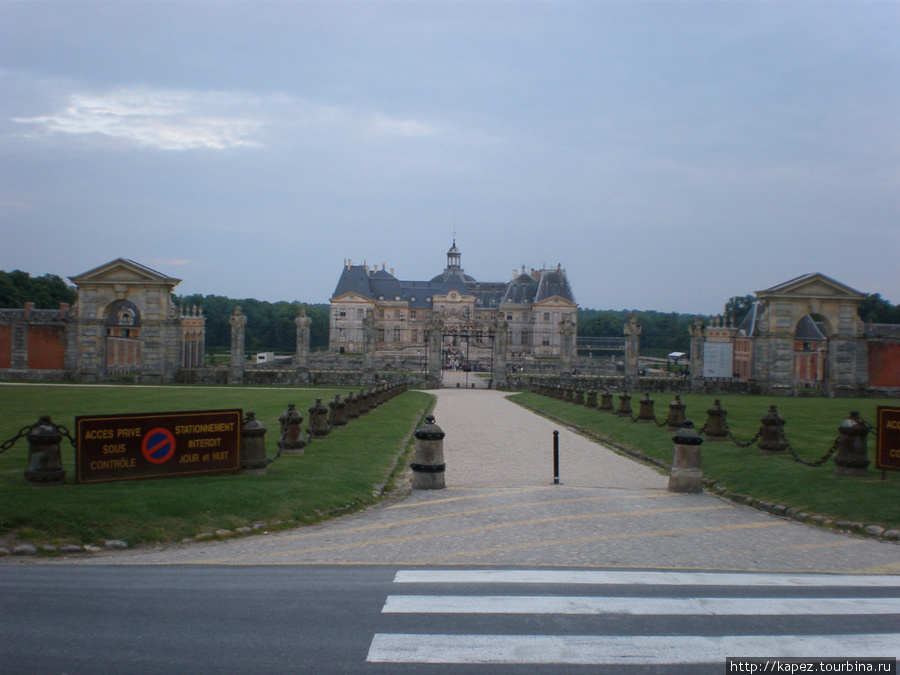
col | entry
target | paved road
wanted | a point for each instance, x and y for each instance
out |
(363, 619)
(501, 508)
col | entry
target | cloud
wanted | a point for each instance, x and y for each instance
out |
(165, 119)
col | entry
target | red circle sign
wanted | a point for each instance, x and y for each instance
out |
(158, 445)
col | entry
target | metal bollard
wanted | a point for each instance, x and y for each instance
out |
(291, 442)
(851, 458)
(686, 475)
(428, 467)
(555, 457)
(675, 420)
(44, 457)
(771, 434)
(716, 426)
(253, 446)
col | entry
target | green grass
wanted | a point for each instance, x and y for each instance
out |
(336, 474)
(811, 428)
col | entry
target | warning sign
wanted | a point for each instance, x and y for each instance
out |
(157, 445)
(888, 454)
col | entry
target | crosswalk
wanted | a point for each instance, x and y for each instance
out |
(635, 618)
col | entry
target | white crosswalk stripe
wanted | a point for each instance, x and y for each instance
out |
(733, 597)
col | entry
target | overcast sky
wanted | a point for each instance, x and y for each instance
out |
(669, 155)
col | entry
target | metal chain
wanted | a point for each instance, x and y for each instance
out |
(752, 441)
(872, 430)
(824, 459)
(24, 431)
(65, 433)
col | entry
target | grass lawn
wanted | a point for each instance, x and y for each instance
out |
(811, 428)
(336, 473)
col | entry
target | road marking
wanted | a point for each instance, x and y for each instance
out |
(619, 650)
(637, 606)
(599, 577)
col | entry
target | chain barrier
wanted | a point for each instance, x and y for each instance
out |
(752, 441)
(23, 432)
(872, 430)
(820, 462)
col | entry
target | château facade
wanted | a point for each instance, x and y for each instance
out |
(536, 308)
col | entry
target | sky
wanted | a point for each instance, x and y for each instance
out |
(669, 155)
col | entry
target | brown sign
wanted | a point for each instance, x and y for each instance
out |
(888, 454)
(157, 445)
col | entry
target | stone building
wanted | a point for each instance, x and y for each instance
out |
(124, 324)
(805, 335)
(533, 305)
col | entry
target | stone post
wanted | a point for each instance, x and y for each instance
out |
(301, 357)
(851, 458)
(433, 357)
(428, 465)
(291, 442)
(771, 434)
(698, 338)
(369, 338)
(501, 340)
(716, 427)
(44, 457)
(567, 329)
(675, 420)
(632, 331)
(686, 475)
(646, 412)
(238, 321)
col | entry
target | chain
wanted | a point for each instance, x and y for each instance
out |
(24, 431)
(752, 441)
(872, 430)
(824, 459)
(65, 433)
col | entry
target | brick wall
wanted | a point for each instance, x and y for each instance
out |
(884, 364)
(46, 350)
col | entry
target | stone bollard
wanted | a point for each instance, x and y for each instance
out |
(338, 412)
(579, 396)
(645, 412)
(716, 428)
(428, 467)
(44, 457)
(771, 434)
(363, 402)
(852, 456)
(373, 398)
(568, 394)
(352, 407)
(291, 442)
(686, 475)
(253, 446)
(624, 405)
(675, 420)
(591, 399)
(606, 401)
(318, 420)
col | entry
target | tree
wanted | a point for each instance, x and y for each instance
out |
(737, 308)
(46, 292)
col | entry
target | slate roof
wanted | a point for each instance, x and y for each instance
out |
(378, 284)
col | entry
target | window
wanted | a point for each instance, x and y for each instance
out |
(546, 316)
(412, 314)
(509, 317)
(546, 340)
(414, 336)
(396, 335)
(380, 313)
(359, 314)
(524, 341)
(381, 334)
(342, 314)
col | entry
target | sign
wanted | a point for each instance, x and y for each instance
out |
(717, 360)
(157, 445)
(887, 457)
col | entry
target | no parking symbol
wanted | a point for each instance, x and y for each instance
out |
(158, 445)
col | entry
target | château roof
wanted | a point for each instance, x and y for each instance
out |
(380, 285)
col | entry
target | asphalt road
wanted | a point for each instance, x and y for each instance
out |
(362, 619)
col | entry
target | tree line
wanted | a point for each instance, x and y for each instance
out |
(270, 325)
